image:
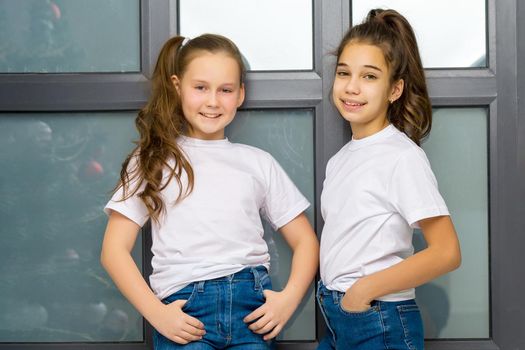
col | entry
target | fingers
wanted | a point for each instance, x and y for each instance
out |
(257, 313)
(189, 336)
(193, 322)
(273, 333)
(192, 330)
(263, 325)
(181, 327)
(187, 333)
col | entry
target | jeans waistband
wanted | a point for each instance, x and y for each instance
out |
(248, 273)
(254, 273)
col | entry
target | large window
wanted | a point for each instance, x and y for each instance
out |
(74, 73)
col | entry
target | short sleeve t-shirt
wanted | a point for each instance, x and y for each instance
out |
(375, 191)
(217, 229)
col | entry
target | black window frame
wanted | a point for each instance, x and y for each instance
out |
(500, 87)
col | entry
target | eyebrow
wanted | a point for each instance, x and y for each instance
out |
(201, 81)
(366, 66)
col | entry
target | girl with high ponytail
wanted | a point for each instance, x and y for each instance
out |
(378, 188)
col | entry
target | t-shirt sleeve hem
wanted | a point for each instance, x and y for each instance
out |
(291, 214)
(425, 214)
(110, 207)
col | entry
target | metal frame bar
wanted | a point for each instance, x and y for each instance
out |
(500, 87)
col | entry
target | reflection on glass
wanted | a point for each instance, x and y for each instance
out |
(288, 136)
(457, 305)
(57, 171)
(62, 36)
(435, 23)
(271, 34)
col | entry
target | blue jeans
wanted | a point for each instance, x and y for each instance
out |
(221, 304)
(386, 325)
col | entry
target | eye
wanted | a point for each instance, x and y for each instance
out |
(227, 91)
(200, 87)
(370, 77)
(342, 73)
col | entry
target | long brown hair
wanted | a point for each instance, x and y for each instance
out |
(161, 122)
(391, 32)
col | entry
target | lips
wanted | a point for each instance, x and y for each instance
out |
(210, 115)
(350, 105)
(353, 103)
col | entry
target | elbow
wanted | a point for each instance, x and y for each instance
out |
(104, 259)
(457, 259)
(453, 258)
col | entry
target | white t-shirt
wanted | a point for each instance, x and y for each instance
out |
(376, 190)
(217, 229)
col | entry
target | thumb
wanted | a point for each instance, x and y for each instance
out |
(180, 303)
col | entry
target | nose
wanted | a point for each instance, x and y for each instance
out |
(352, 85)
(212, 100)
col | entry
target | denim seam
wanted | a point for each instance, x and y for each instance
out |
(320, 300)
(383, 326)
(191, 298)
(230, 302)
(406, 333)
(256, 279)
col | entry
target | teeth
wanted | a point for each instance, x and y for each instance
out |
(353, 104)
(209, 115)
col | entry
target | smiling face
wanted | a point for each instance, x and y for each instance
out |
(210, 91)
(362, 89)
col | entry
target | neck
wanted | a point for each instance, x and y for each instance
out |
(360, 131)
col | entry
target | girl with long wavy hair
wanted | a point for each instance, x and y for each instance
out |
(210, 287)
(378, 188)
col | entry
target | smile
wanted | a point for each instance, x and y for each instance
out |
(353, 104)
(211, 115)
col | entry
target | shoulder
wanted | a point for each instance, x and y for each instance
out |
(405, 149)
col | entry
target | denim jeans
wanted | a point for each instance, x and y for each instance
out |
(386, 325)
(221, 304)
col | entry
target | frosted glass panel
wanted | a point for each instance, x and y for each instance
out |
(435, 23)
(62, 36)
(271, 34)
(457, 305)
(288, 136)
(56, 174)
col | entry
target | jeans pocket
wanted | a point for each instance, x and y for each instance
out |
(187, 293)
(264, 283)
(369, 311)
(412, 324)
(372, 309)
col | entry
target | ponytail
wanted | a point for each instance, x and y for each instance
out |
(391, 32)
(159, 124)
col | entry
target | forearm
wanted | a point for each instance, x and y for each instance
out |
(414, 271)
(303, 268)
(305, 260)
(271, 317)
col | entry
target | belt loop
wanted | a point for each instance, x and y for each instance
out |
(335, 296)
(256, 278)
(200, 286)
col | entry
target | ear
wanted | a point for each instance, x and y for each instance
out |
(176, 82)
(397, 90)
(242, 93)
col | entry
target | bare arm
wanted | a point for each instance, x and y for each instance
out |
(442, 255)
(119, 239)
(279, 306)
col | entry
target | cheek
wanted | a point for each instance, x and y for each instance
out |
(190, 101)
(337, 88)
(231, 102)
